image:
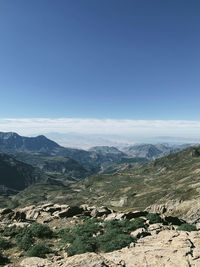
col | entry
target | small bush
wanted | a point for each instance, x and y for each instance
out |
(139, 223)
(40, 250)
(3, 260)
(153, 218)
(116, 235)
(11, 231)
(187, 227)
(60, 233)
(124, 225)
(81, 244)
(25, 241)
(81, 237)
(4, 243)
(40, 230)
(89, 228)
(113, 224)
(113, 240)
(129, 226)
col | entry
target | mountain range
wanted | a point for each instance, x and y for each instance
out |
(171, 182)
(29, 160)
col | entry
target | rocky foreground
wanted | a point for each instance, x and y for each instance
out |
(161, 241)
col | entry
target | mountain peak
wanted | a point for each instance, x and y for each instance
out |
(13, 142)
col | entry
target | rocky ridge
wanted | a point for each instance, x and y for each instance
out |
(157, 243)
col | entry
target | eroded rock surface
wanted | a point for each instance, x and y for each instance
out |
(158, 244)
(168, 248)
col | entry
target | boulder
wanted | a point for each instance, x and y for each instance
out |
(47, 205)
(141, 232)
(69, 212)
(114, 216)
(6, 211)
(52, 209)
(98, 212)
(156, 227)
(91, 260)
(6, 214)
(19, 216)
(19, 224)
(166, 249)
(160, 209)
(198, 226)
(36, 262)
(32, 214)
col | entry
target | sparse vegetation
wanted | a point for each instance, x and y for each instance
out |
(113, 240)
(187, 227)
(93, 236)
(11, 231)
(5, 243)
(39, 250)
(154, 218)
(3, 259)
(40, 230)
(24, 241)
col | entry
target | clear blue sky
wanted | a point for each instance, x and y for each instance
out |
(100, 59)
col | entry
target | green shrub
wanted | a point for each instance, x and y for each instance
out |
(80, 237)
(116, 235)
(128, 226)
(113, 224)
(85, 231)
(24, 241)
(60, 233)
(139, 223)
(11, 231)
(40, 250)
(187, 227)
(3, 259)
(81, 244)
(113, 240)
(92, 236)
(40, 230)
(124, 225)
(153, 218)
(5, 244)
(89, 228)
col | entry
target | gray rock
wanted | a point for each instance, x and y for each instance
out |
(98, 212)
(138, 233)
(36, 262)
(69, 212)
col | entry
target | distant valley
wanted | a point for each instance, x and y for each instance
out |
(39, 163)
(169, 183)
(138, 194)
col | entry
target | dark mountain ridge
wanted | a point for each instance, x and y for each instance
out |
(10, 142)
(17, 175)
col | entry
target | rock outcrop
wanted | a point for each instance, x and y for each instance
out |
(158, 244)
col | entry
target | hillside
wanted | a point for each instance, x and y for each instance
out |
(58, 167)
(150, 151)
(16, 175)
(174, 177)
(171, 179)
